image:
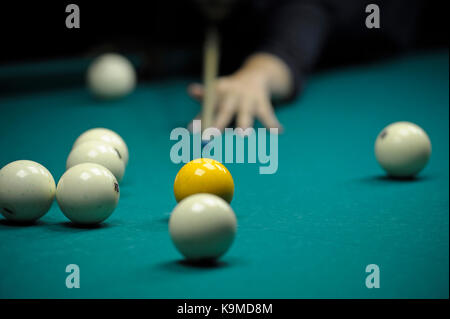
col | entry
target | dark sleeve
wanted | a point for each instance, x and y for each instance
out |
(296, 32)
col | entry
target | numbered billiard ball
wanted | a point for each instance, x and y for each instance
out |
(107, 136)
(87, 193)
(99, 153)
(27, 191)
(202, 227)
(402, 149)
(203, 175)
(111, 76)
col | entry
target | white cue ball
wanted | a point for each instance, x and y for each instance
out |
(27, 191)
(107, 136)
(99, 153)
(87, 193)
(111, 76)
(402, 149)
(202, 226)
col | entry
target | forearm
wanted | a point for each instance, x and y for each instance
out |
(296, 33)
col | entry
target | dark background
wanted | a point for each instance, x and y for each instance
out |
(33, 31)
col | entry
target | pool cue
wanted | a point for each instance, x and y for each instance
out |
(210, 70)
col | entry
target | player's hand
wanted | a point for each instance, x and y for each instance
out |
(244, 96)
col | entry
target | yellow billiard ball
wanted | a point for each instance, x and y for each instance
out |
(204, 175)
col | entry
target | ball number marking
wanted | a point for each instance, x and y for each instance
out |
(118, 153)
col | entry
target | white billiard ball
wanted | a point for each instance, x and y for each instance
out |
(99, 153)
(202, 227)
(27, 191)
(402, 149)
(111, 76)
(107, 136)
(87, 193)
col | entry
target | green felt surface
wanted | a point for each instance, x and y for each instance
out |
(307, 231)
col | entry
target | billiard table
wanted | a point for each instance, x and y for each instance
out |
(307, 231)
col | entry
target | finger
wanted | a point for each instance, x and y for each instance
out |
(245, 114)
(196, 91)
(226, 111)
(267, 115)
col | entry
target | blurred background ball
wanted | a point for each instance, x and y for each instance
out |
(111, 76)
